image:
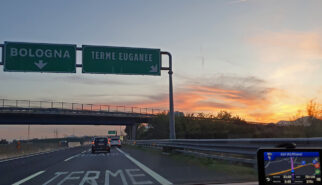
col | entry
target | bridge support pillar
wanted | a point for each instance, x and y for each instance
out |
(133, 132)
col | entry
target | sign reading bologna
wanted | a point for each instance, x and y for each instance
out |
(35, 57)
(121, 60)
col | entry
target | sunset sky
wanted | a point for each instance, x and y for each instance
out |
(259, 59)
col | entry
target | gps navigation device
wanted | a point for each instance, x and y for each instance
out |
(278, 166)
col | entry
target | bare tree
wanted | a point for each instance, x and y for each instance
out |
(314, 109)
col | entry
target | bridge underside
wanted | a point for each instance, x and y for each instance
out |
(68, 119)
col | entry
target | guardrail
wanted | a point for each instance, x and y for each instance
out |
(7, 104)
(234, 150)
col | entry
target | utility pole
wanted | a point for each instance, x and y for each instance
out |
(120, 131)
(56, 132)
(28, 132)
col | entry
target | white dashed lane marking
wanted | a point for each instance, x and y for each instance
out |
(71, 157)
(28, 178)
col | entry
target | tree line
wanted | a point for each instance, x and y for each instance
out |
(226, 125)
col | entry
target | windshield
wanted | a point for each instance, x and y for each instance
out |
(159, 92)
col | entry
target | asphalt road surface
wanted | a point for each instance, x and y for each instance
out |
(126, 166)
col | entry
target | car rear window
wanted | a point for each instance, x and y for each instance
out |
(115, 138)
(101, 140)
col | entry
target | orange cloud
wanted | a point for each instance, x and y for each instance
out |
(260, 106)
(249, 97)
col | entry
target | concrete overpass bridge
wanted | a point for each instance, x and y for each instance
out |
(26, 112)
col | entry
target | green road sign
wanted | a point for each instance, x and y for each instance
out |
(121, 60)
(112, 132)
(35, 57)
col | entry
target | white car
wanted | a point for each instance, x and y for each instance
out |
(115, 141)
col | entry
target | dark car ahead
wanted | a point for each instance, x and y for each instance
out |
(101, 144)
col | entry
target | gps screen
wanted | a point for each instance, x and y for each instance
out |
(291, 167)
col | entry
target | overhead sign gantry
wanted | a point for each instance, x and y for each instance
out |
(61, 58)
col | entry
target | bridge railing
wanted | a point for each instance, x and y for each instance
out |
(234, 150)
(29, 104)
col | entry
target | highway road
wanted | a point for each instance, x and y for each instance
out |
(126, 166)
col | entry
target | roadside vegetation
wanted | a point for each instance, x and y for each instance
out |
(226, 125)
(226, 167)
(17, 148)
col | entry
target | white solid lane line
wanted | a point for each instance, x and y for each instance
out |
(244, 183)
(28, 178)
(153, 174)
(71, 157)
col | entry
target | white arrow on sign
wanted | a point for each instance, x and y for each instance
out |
(154, 69)
(40, 64)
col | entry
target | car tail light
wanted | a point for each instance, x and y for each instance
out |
(93, 142)
(119, 141)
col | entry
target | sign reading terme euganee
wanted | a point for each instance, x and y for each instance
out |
(121, 60)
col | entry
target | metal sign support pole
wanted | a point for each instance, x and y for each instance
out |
(1, 62)
(171, 106)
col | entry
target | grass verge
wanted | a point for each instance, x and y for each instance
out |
(10, 150)
(225, 167)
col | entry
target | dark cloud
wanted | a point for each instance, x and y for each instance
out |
(217, 105)
(129, 99)
(233, 86)
(82, 79)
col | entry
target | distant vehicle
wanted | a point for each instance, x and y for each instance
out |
(3, 142)
(101, 144)
(63, 143)
(115, 141)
